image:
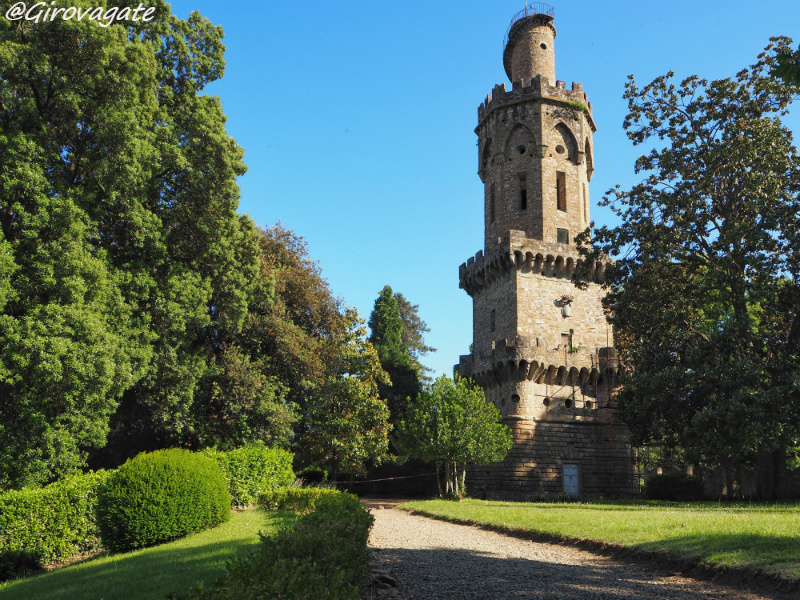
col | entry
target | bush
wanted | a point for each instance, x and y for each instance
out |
(159, 497)
(253, 469)
(299, 500)
(675, 485)
(313, 475)
(322, 556)
(47, 525)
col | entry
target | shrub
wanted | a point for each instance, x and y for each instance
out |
(47, 525)
(161, 496)
(299, 500)
(675, 485)
(313, 475)
(322, 556)
(253, 469)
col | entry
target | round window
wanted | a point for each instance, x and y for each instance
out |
(515, 398)
(568, 403)
(560, 149)
(546, 401)
(543, 46)
(521, 149)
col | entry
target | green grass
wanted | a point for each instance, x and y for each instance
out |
(154, 572)
(763, 537)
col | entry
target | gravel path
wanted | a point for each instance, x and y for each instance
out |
(437, 560)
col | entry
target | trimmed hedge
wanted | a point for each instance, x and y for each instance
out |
(161, 496)
(47, 525)
(321, 556)
(675, 485)
(299, 500)
(253, 469)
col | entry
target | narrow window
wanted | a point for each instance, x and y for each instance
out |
(491, 205)
(561, 191)
(491, 321)
(523, 194)
(565, 340)
(562, 236)
(585, 202)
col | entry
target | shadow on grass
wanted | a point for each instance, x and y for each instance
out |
(468, 575)
(144, 574)
(777, 554)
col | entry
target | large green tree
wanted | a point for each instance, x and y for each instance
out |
(704, 294)
(125, 271)
(387, 326)
(451, 424)
(347, 421)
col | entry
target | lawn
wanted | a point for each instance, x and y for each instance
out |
(151, 573)
(756, 536)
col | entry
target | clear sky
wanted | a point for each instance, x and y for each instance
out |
(357, 119)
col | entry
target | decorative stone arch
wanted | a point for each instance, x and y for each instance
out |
(519, 138)
(587, 149)
(568, 139)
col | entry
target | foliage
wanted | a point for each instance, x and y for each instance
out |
(387, 328)
(704, 295)
(675, 485)
(313, 475)
(299, 500)
(414, 328)
(451, 423)
(124, 267)
(47, 525)
(787, 67)
(243, 403)
(347, 421)
(253, 469)
(161, 496)
(323, 556)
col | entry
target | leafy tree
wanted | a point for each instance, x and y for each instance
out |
(787, 66)
(704, 293)
(452, 424)
(125, 272)
(387, 328)
(347, 421)
(412, 334)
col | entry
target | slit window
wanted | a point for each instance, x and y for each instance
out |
(491, 321)
(523, 193)
(585, 203)
(561, 191)
(562, 236)
(492, 214)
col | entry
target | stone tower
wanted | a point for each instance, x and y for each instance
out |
(542, 349)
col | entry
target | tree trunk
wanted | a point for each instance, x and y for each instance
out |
(438, 479)
(729, 478)
(464, 479)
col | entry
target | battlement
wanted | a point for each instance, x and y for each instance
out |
(536, 88)
(527, 255)
(524, 358)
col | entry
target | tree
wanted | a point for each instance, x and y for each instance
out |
(704, 294)
(347, 422)
(787, 66)
(452, 424)
(125, 271)
(412, 334)
(387, 328)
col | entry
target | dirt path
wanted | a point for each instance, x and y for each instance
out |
(437, 560)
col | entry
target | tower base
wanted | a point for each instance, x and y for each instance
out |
(552, 459)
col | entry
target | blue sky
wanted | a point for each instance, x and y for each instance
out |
(357, 119)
